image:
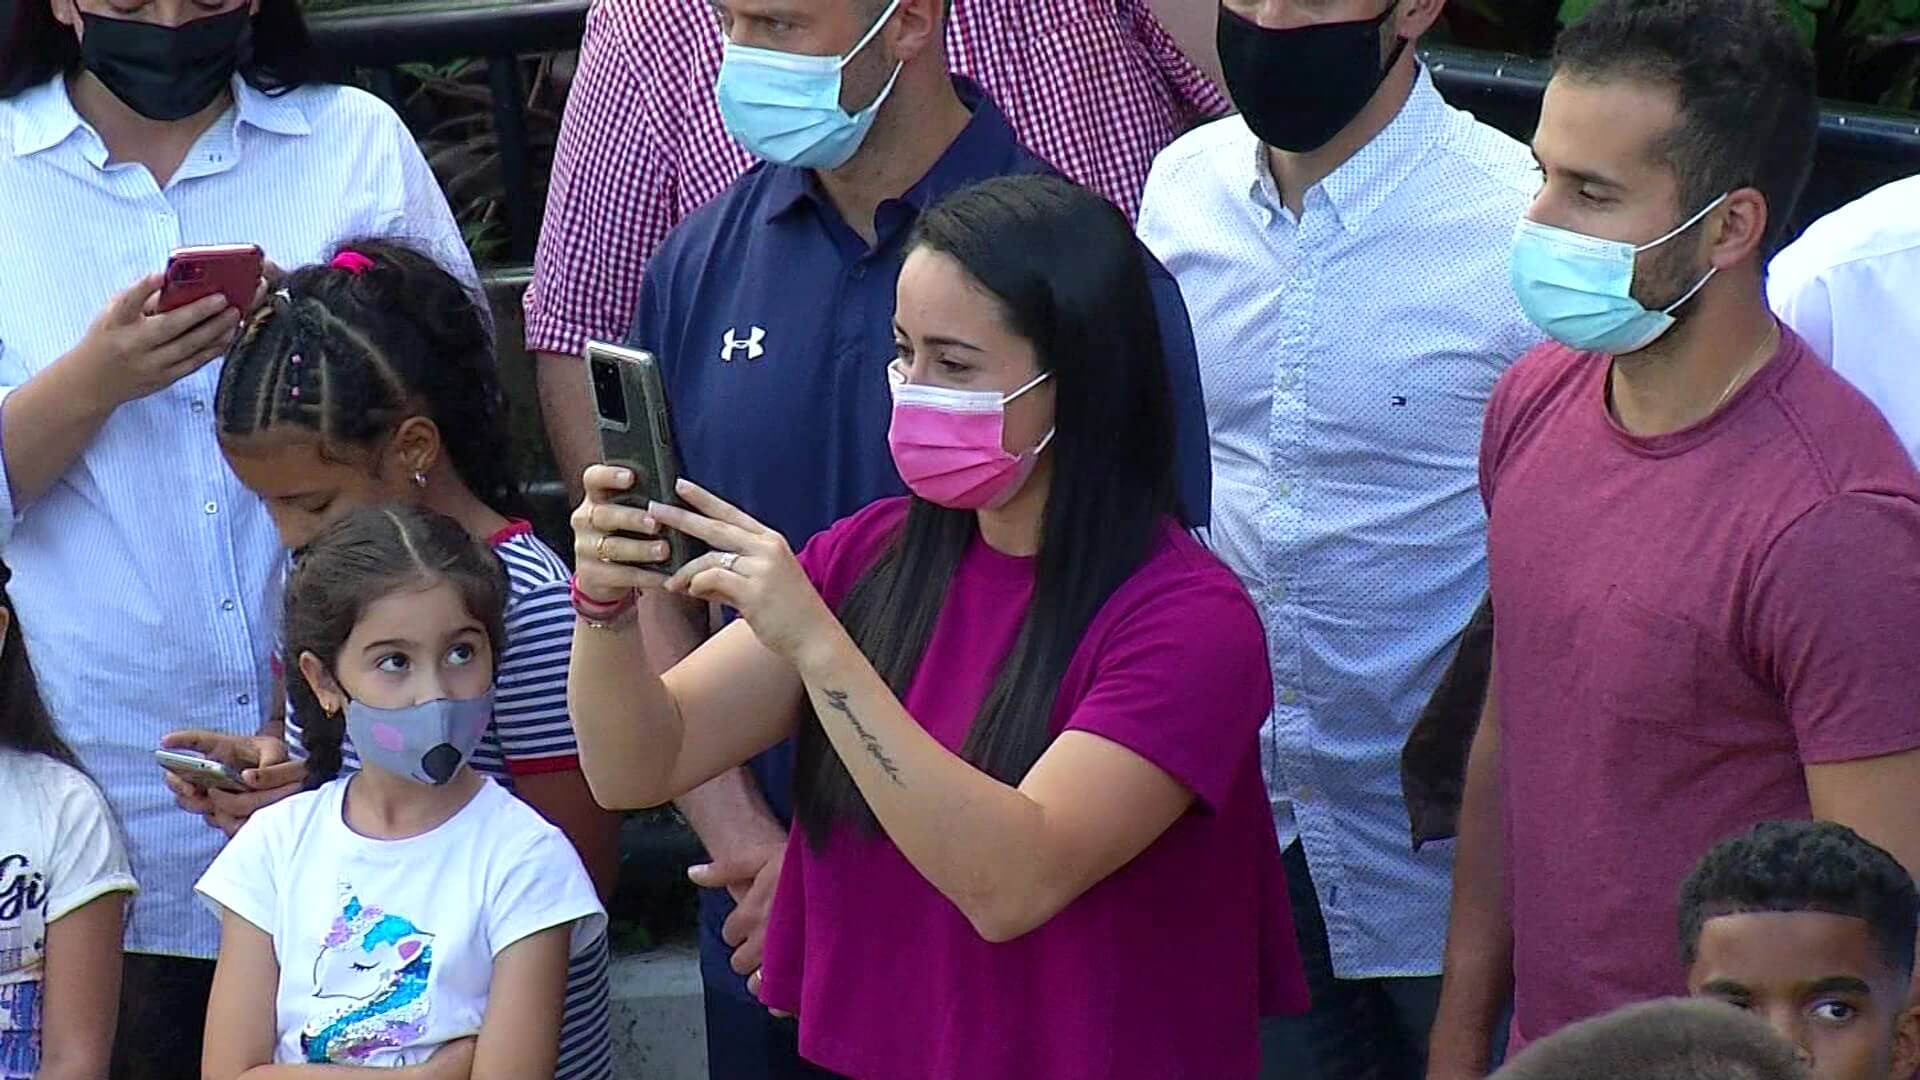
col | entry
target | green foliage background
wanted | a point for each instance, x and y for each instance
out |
(1868, 50)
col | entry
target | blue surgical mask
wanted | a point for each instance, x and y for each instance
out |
(1579, 288)
(784, 108)
(427, 742)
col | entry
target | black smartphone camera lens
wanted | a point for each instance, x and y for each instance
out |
(607, 396)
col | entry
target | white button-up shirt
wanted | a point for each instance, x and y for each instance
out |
(1347, 357)
(144, 576)
(1851, 287)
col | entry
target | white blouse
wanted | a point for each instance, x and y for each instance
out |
(143, 577)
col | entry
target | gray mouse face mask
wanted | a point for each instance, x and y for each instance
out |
(427, 742)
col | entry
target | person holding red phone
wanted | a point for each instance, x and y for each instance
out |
(143, 567)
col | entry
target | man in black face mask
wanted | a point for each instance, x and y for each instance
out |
(1342, 248)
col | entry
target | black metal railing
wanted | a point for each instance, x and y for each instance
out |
(378, 41)
(1510, 87)
(1858, 148)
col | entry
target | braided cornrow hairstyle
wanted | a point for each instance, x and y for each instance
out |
(348, 352)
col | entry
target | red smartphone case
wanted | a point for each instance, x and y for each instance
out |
(192, 273)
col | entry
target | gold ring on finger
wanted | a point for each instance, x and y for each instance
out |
(600, 549)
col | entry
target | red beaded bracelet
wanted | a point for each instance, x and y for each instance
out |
(598, 611)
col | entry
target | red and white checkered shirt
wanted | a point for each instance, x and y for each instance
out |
(1096, 87)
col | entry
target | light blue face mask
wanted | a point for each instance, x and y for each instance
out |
(784, 108)
(1579, 288)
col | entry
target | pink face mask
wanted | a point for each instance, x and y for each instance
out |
(949, 446)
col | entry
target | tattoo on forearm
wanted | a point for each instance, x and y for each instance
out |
(837, 699)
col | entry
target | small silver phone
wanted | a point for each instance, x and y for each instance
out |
(201, 772)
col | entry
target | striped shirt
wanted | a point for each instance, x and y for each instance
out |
(532, 734)
(145, 575)
(1094, 87)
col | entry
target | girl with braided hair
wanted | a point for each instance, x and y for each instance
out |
(369, 380)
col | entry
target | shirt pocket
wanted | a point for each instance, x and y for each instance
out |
(1644, 669)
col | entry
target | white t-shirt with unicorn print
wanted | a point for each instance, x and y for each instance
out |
(386, 947)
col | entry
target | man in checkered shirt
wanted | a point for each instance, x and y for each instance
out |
(770, 308)
(1096, 87)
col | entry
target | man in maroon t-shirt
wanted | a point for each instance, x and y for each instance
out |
(1704, 545)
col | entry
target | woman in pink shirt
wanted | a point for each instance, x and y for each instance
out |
(1033, 838)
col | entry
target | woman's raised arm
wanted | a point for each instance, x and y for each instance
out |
(645, 740)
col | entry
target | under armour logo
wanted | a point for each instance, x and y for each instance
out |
(1397, 401)
(731, 343)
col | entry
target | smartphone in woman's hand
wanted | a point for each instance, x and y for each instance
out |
(232, 270)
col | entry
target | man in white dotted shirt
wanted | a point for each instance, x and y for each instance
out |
(1342, 246)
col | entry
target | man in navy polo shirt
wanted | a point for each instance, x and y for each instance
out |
(771, 312)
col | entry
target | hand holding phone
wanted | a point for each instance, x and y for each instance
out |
(631, 406)
(130, 352)
(202, 772)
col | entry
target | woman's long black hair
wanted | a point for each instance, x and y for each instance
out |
(25, 724)
(1071, 278)
(37, 46)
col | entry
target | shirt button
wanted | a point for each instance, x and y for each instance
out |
(211, 507)
(1289, 697)
(244, 699)
(1288, 379)
(226, 605)
(1283, 489)
(1305, 794)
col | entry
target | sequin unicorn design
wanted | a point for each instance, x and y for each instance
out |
(370, 987)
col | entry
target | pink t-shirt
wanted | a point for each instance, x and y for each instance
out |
(1684, 623)
(1162, 970)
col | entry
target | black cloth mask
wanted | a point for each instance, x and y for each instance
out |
(1297, 88)
(166, 72)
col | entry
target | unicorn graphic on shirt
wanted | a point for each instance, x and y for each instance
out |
(370, 987)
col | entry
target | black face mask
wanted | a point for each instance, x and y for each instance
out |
(1298, 88)
(166, 72)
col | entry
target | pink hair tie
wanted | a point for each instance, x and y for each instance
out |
(352, 262)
